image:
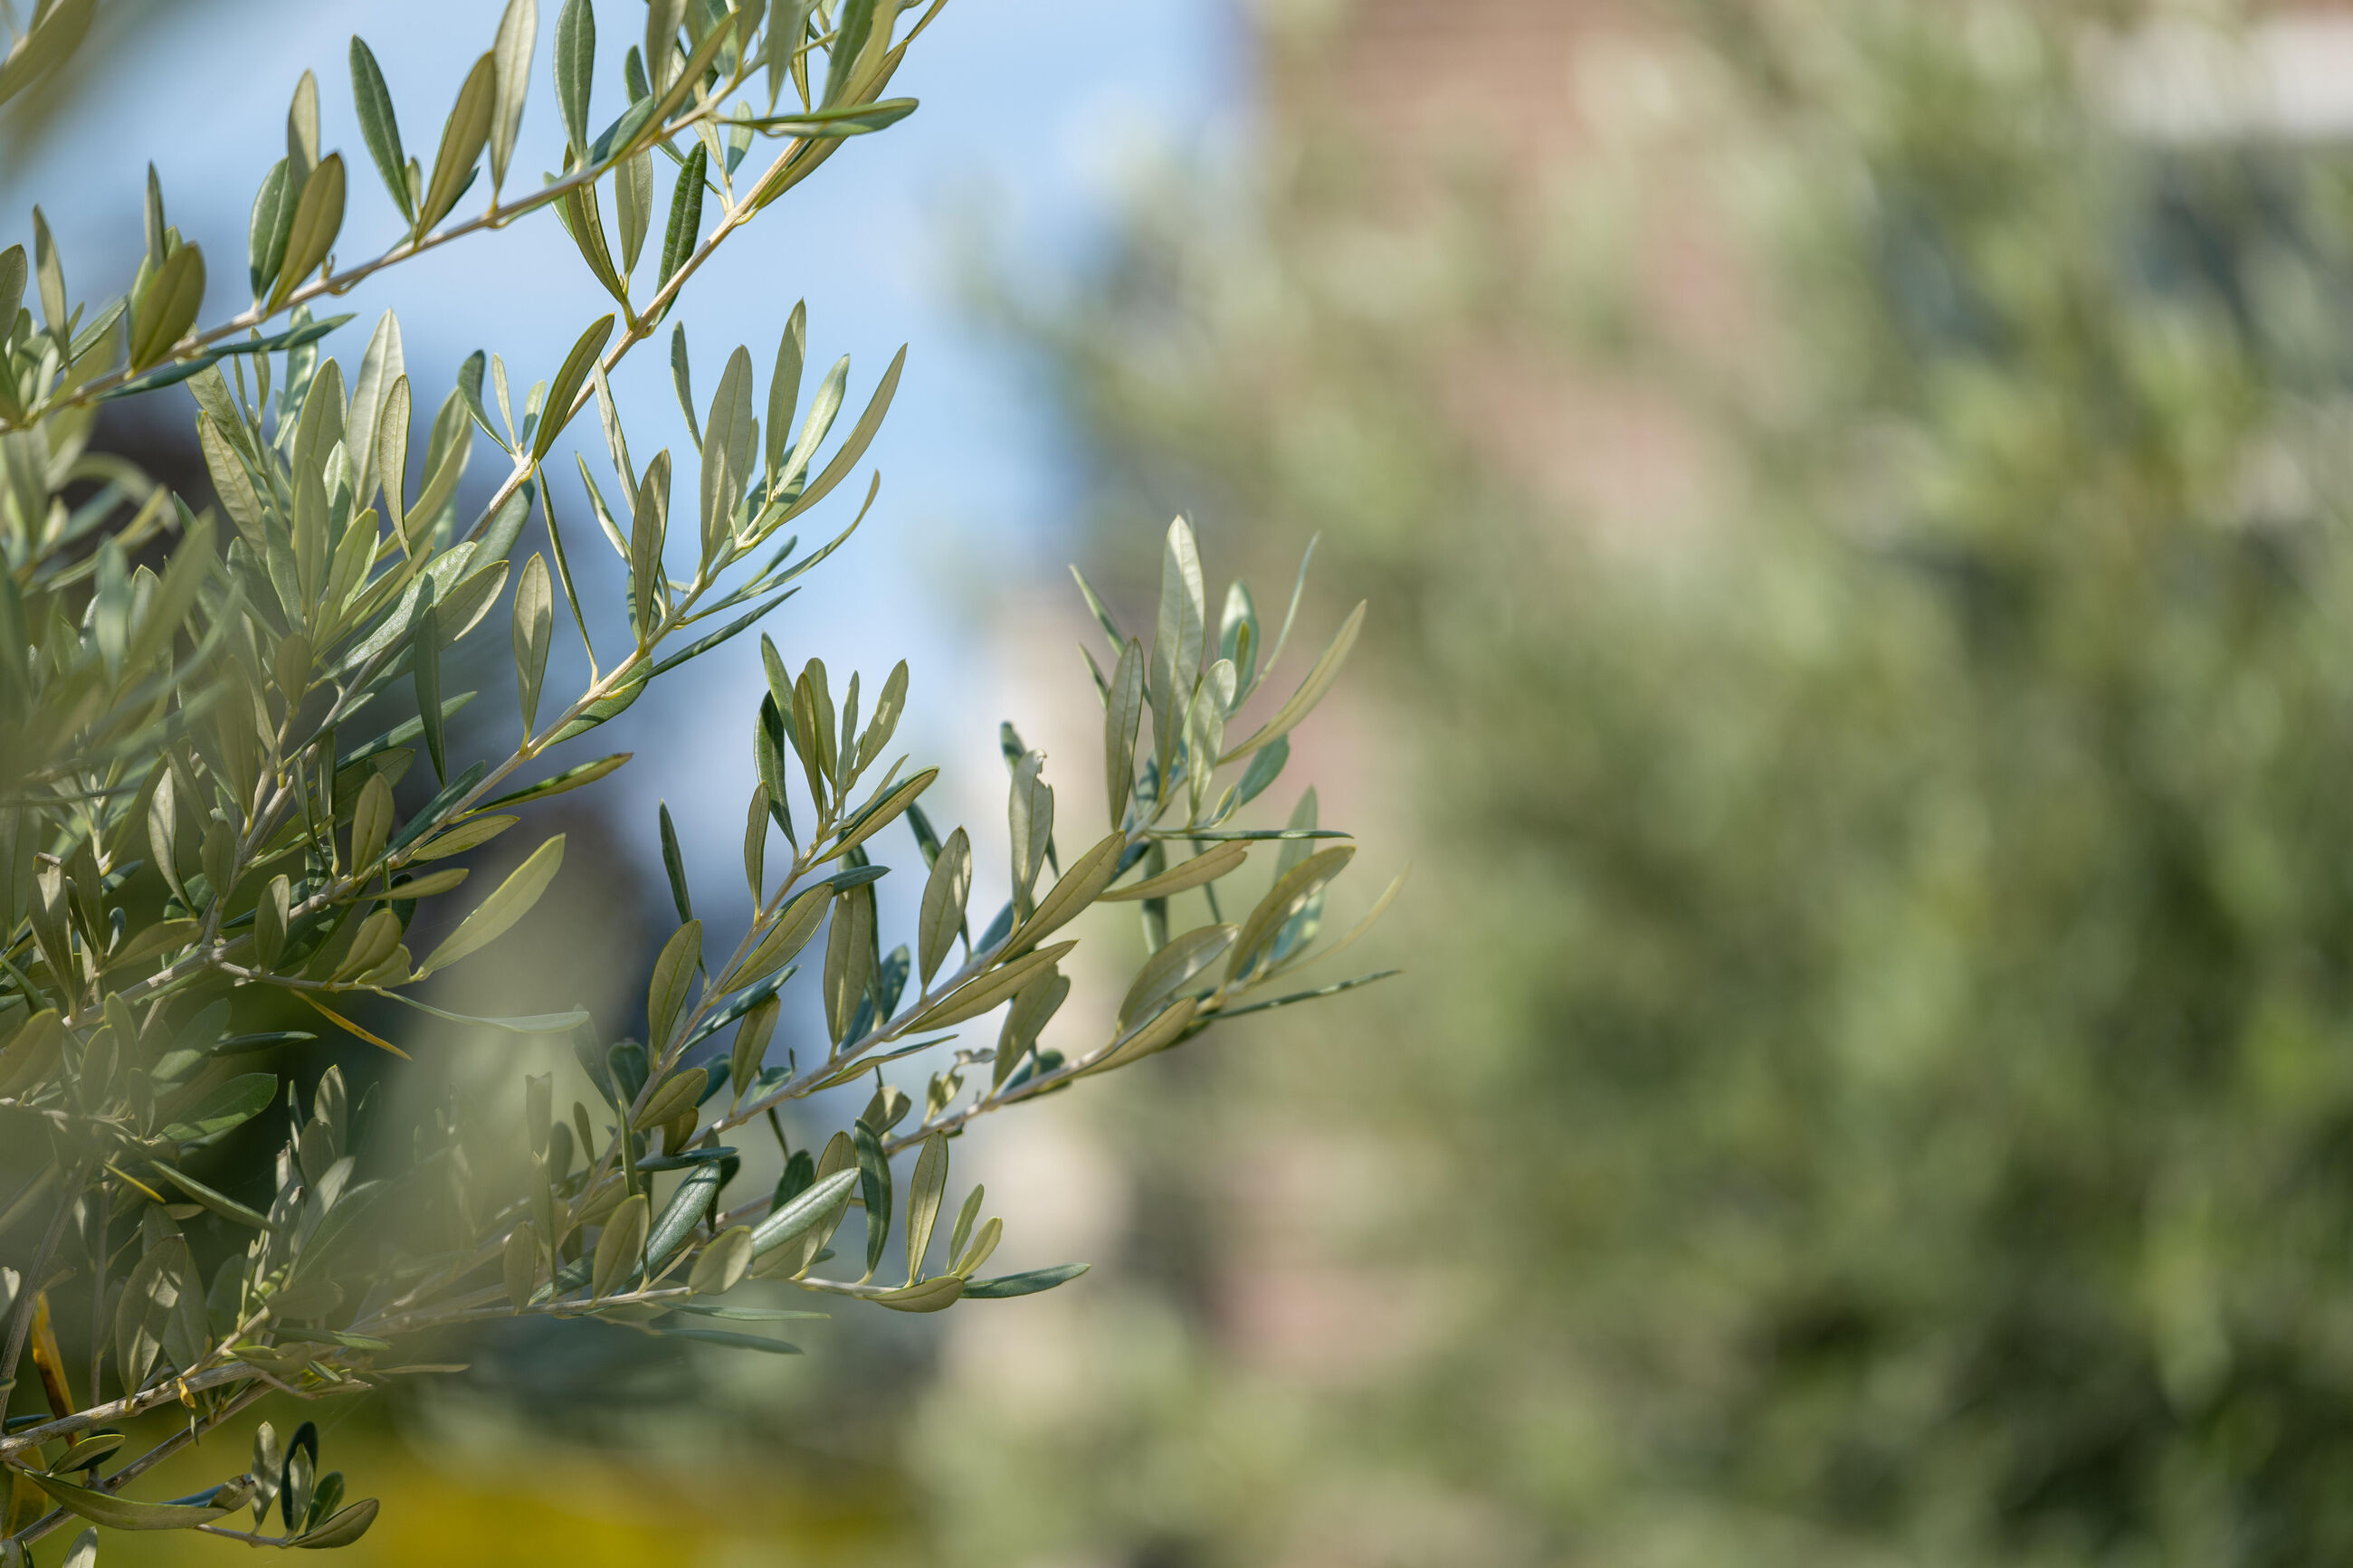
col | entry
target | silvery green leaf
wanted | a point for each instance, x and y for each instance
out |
(518, 30)
(752, 1044)
(633, 205)
(1170, 970)
(1029, 1284)
(1310, 690)
(1289, 894)
(1123, 722)
(945, 896)
(1073, 891)
(848, 959)
(1289, 618)
(648, 526)
(1177, 645)
(815, 426)
(730, 441)
(575, 69)
(681, 381)
(535, 630)
(924, 1190)
(1204, 867)
(787, 29)
(854, 445)
(380, 366)
(1029, 815)
(983, 991)
(686, 1207)
(784, 382)
(1034, 1006)
(663, 19)
(965, 1216)
(817, 1207)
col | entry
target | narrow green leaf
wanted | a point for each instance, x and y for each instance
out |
(633, 205)
(859, 437)
(1123, 722)
(674, 864)
(723, 1263)
(571, 778)
(1310, 690)
(784, 381)
(576, 70)
(462, 139)
(233, 1104)
(564, 391)
(272, 221)
(621, 1248)
(513, 900)
(666, 996)
(874, 1191)
(924, 1190)
(689, 1203)
(729, 443)
(1029, 1284)
(820, 1204)
(1290, 893)
(884, 812)
(425, 660)
(1170, 970)
(1207, 866)
(728, 1338)
(1177, 645)
(174, 297)
(219, 1203)
(663, 18)
(1072, 891)
(685, 216)
(983, 991)
(379, 127)
(535, 630)
(121, 1513)
(649, 525)
(318, 219)
(345, 1526)
(518, 31)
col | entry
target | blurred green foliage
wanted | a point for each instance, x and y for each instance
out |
(1878, 1082)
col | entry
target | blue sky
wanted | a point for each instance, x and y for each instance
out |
(1029, 108)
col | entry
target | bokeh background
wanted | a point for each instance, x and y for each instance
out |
(1853, 495)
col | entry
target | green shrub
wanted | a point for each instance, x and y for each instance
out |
(199, 826)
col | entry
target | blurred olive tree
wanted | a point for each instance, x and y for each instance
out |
(1884, 1044)
(198, 830)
